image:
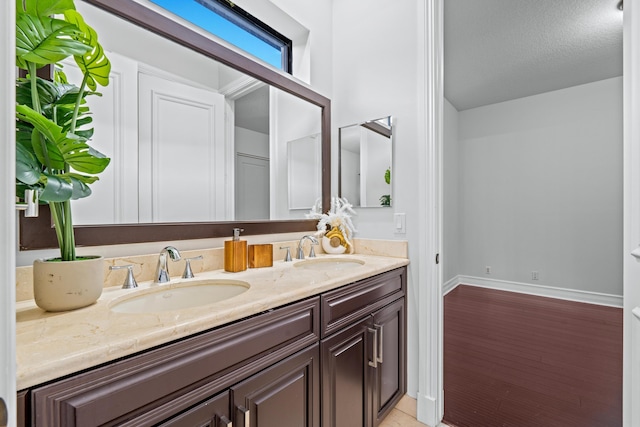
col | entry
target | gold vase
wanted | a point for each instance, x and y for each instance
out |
(333, 242)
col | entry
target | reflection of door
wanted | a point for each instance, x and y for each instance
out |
(181, 152)
(252, 187)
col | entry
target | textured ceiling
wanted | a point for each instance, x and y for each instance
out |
(497, 50)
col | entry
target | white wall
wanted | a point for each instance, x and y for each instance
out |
(450, 220)
(291, 119)
(315, 16)
(251, 142)
(375, 75)
(541, 189)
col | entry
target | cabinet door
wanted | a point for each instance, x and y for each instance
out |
(345, 366)
(213, 412)
(389, 373)
(285, 395)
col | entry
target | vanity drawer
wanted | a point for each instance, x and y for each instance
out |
(199, 366)
(350, 303)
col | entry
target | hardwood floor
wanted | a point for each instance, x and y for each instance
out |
(519, 360)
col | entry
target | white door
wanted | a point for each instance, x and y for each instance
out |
(7, 216)
(181, 128)
(252, 187)
(631, 369)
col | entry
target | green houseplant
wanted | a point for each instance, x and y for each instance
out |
(385, 199)
(53, 156)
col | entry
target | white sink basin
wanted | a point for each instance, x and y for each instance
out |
(329, 264)
(180, 296)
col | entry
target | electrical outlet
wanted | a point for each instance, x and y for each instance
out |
(487, 269)
(534, 275)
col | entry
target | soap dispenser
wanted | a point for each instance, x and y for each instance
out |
(235, 253)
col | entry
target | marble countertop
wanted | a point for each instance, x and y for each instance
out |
(51, 345)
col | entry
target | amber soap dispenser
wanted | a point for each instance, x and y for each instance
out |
(235, 253)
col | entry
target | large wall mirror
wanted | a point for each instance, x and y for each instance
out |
(200, 138)
(366, 157)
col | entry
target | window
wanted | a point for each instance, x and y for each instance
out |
(229, 22)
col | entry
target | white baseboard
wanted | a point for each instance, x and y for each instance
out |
(427, 412)
(450, 285)
(539, 290)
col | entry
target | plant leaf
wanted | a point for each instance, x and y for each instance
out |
(27, 166)
(51, 132)
(93, 63)
(87, 161)
(44, 40)
(56, 189)
(87, 179)
(46, 7)
(80, 189)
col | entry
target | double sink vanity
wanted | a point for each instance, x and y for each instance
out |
(315, 342)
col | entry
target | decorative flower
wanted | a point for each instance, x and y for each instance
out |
(339, 216)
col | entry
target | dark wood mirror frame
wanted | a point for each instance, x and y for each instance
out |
(38, 233)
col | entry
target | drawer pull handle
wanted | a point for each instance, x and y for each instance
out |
(380, 328)
(245, 415)
(224, 422)
(374, 363)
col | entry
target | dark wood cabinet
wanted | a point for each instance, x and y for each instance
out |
(364, 364)
(213, 412)
(284, 395)
(389, 373)
(158, 385)
(345, 357)
(332, 361)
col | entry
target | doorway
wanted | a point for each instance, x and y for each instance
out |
(537, 146)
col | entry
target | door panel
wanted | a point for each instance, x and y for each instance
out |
(252, 188)
(390, 372)
(181, 128)
(213, 412)
(292, 384)
(345, 366)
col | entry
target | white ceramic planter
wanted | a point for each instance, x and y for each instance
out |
(67, 285)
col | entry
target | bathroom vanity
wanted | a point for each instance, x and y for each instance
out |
(326, 349)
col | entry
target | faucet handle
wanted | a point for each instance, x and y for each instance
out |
(312, 253)
(287, 257)
(130, 280)
(188, 273)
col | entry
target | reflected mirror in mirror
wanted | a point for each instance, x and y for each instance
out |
(366, 163)
(192, 140)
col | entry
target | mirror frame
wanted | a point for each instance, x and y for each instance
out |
(38, 233)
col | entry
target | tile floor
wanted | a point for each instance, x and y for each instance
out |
(403, 415)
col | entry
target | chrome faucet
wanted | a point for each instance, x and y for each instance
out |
(162, 270)
(300, 252)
